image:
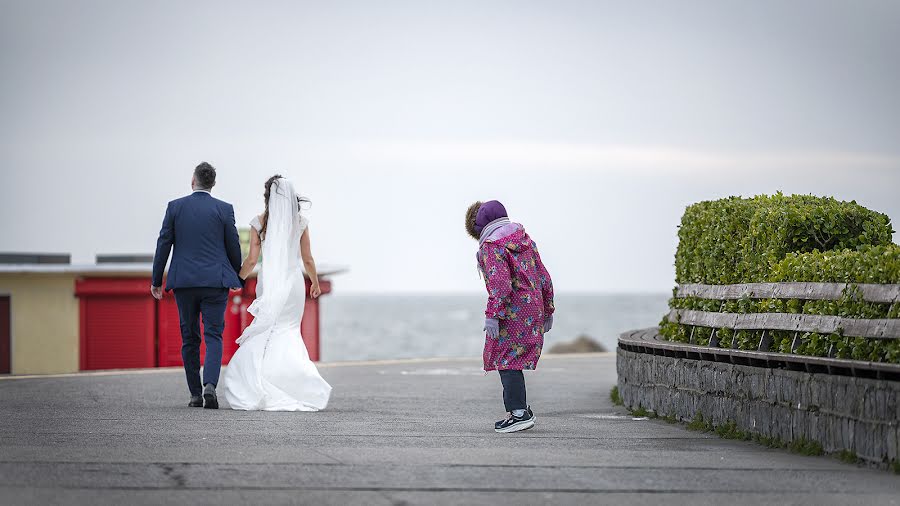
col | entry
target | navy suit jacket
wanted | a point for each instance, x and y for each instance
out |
(207, 248)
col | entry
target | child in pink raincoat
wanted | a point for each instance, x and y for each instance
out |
(519, 308)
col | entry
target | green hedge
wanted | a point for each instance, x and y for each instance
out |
(781, 239)
(737, 240)
(869, 264)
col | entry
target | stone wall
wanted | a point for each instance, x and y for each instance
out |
(840, 412)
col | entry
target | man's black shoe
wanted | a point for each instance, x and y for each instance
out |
(196, 401)
(209, 396)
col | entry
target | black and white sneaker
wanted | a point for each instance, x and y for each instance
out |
(515, 423)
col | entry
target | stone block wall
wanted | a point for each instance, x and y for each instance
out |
(840, 412)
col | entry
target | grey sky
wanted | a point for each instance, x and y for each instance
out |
(595, 122)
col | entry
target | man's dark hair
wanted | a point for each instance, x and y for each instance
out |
(205, 175)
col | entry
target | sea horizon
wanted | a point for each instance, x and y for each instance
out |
(387, 326)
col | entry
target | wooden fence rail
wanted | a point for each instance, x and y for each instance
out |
(888, 294)
(796, 323)
(849, 327)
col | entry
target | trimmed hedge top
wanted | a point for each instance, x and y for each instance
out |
(737, 240)
(869, 264)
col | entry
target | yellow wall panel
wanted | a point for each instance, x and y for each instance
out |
(44, 320)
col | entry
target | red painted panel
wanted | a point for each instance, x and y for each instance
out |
(249, 289)
(233, 326)
(118, 331)
(122, 326)
(309, 328)
(169, 333)
(247, 298)
(112, 286)
(5, 336)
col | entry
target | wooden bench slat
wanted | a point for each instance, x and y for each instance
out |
(808, 291)
(852, 327)
(654, 340)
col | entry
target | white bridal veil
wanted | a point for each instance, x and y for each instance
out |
(281, 256)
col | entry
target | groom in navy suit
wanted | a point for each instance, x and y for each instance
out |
(205, 264)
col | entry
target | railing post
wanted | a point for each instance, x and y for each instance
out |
(765, 341)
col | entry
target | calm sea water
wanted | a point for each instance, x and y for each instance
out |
(372, 327)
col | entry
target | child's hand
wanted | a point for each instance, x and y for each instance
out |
(548, 324)
(492, 327)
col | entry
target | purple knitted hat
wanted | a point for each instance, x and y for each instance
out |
(488, 212)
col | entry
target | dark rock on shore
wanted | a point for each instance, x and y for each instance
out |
(582, 344)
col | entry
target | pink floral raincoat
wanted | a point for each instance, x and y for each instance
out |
(520, 296)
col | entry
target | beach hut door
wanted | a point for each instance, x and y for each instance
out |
(5, 335)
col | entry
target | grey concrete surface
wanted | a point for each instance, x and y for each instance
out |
(397, 433)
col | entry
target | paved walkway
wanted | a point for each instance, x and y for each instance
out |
(411, 432)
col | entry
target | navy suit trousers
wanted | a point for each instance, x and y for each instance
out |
(209, 303)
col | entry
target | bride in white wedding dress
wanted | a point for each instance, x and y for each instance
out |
(271, 369)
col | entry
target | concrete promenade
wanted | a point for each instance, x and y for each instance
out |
(395, 433)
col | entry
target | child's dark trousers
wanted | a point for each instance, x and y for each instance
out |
(513, 389)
